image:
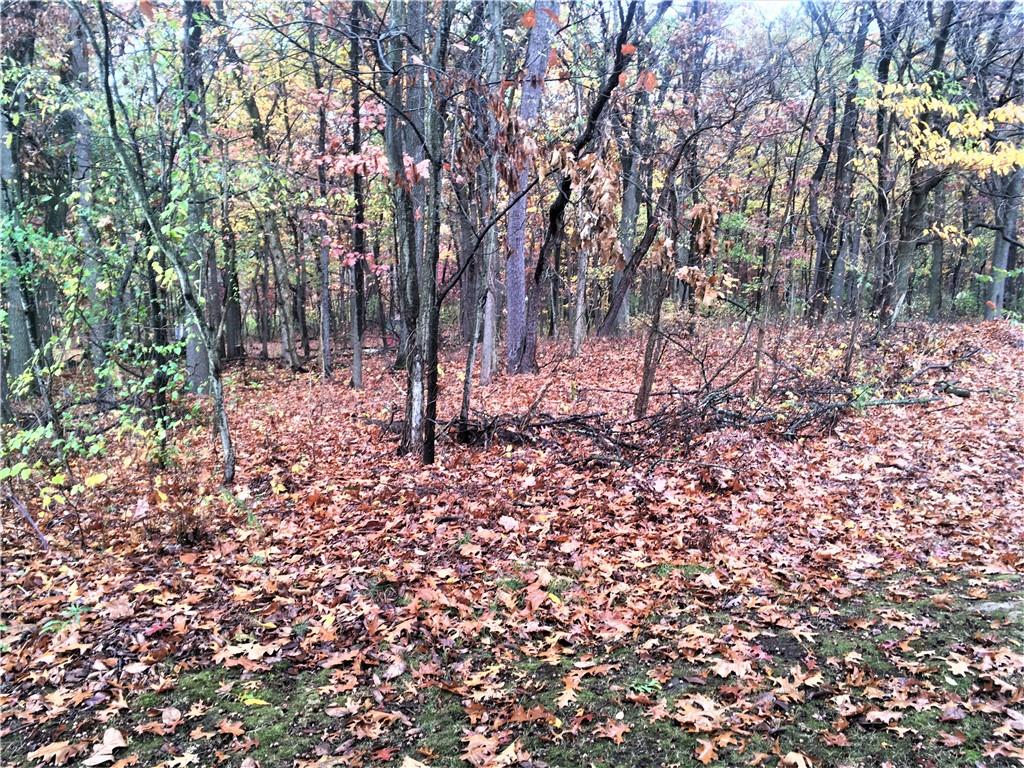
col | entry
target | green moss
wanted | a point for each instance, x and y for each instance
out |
(443, 722)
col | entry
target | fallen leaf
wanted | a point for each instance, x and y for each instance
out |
(230, 727)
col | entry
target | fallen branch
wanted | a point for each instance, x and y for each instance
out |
(23, 510)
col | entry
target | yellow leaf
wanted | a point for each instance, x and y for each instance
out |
(92, 481)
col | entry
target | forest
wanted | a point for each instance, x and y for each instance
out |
(494, 383)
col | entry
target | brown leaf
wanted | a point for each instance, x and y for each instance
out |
(57, 752)
(705, 751)
(951, 739)
(230, 727)
(613, 730)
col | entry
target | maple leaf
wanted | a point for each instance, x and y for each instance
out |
(230, 727)
(568, 695)
(613, 729)
(699, 711)
(513, 754)
(710, 580)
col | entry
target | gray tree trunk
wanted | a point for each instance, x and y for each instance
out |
(194, 129)
(579, 316)
(935, 268)
(495, 62)
(17, 341)
(99, 326)
(1007, 214)
(537, 52)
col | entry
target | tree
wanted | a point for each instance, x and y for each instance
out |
(541, 22)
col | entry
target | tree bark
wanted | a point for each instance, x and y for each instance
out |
(897, 275)
(556, 213)
(537, 53)
(1007, 214)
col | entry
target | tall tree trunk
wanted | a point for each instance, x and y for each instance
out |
(556, 213)
(890, 33)
(429, 329)
(538, 51)
(655, 346)
(579, 315)
(282, 289)
(842, 195)
(18, 344)
(1007, 214)
(935, 268)
(233, 343)
(416, 314)
(324, 261)
(194, 129)
(359, 214)
(922, 182)
(99, 326)
(495, 58)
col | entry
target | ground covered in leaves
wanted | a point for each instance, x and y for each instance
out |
(805, 574)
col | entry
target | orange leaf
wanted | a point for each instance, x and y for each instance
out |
(230, 727)
(705, 751)
(613, 730)
(628, 49)
(146, 6)
(529, 19)
(648, 81)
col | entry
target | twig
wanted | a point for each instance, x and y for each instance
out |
(23, 510)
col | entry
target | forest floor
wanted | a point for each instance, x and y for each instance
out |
(743, 578)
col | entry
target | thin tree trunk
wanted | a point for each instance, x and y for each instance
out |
(489, 190)
(1007, 213)
(537, 53)
(654, 347)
